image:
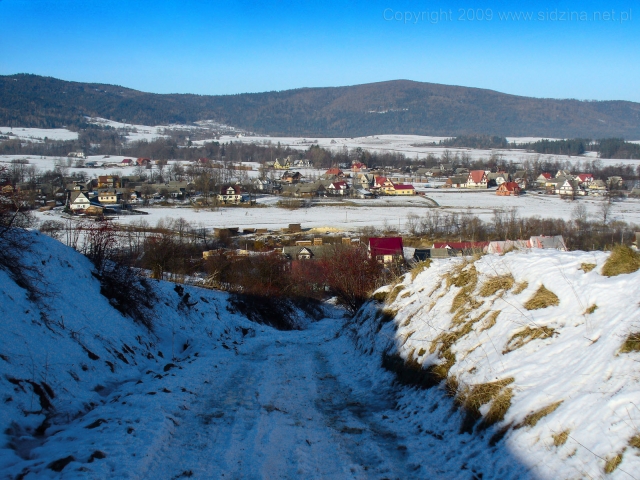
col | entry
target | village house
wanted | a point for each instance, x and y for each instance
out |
(334, 173)
(108, 197)
(402, 189)
(77, 201)
(508, 189)
(108, 181)
(383, 185)
(585, 178)
(282, 164)
(291, 177)
(569, 188)
(386, 249)
(127, 162)
(143, 162)
(358, 167)
(477, 179)
(230, 194)
(597, 187)
(338, 188)
(457, 181)
(542, 179)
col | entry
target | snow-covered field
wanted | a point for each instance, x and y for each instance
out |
(575, 368)
(383, 213)
(38, 134)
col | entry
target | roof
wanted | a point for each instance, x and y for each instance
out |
(585, 176)
(461, 245)
(385, 246)
(334, 171)
(476, 175)
(545, 175)
(339, 185)
(509, 186)
(403, 187)
(236, 189)
(458, 179)
(541, 241)
(380, 180)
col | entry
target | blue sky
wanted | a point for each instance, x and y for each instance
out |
(568, 49)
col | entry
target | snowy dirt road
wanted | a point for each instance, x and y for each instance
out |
(286, 406)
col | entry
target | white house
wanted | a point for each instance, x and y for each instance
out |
(78, 201)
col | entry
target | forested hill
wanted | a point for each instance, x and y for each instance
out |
(400, 106)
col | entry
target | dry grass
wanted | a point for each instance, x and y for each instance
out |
(587, 267)
(521, 338)
(491, 320)
(543, 298)
(461, 276)
(635, 441)
(612, 463)
(561, 438)
(591, 309)
(632, 343)
(473, 397)
(534, 417)
(495, 284)
(499, 407)
(520, 287)
(419, 268)
(622, 260)
(393, 293)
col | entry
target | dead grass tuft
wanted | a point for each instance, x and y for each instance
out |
(622, 260)
(543, 298)
(591, 309)
(635, 441)
(495, 284)
(473, 397)
(587, 267)
(534, 417)
(393, 293)
(491, 320)
(520, 287)
(632, 343)
(612, 463)
(420, 267)
(499, 407)
(561, 438)
(521, 338)
(461, 276)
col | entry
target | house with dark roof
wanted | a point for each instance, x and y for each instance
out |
(230, 194)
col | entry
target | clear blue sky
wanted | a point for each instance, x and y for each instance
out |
(568, 49)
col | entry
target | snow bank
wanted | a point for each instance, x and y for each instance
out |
(77, 377)
(566, 404)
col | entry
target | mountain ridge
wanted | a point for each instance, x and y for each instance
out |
(388, 107)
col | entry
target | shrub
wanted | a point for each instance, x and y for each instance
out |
(634, 441)
(543, 298)
(473, 397)
(622, 260)
(527, 335)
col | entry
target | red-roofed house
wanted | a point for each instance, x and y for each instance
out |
(386, 249)
(400, 189)
(334, 172)
(508, 188)
(477, 179)
(543, 178)
(358, 167)
(585, 178)
(338, 188)
(127, 162)
(383, 184)
(144, 162)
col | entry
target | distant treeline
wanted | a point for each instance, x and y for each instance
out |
(476, 141)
